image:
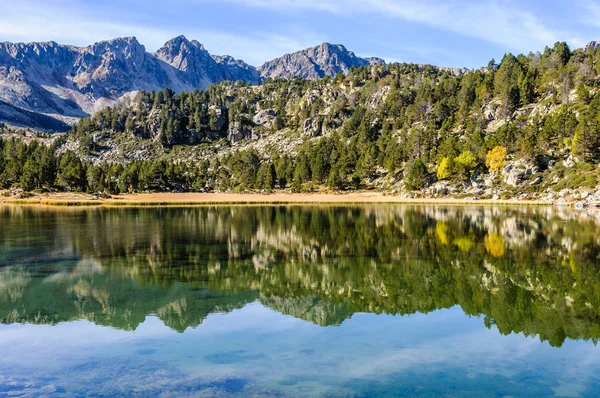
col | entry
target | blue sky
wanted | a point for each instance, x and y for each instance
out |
(449, 33)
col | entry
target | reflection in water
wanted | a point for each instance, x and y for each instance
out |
(532, 271)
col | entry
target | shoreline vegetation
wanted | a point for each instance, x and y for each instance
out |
(277, 198)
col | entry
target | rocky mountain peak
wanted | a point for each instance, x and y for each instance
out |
(70, 82)
(316, 62)
(180, 42)
(126, 46)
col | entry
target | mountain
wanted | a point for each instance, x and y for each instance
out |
(66, 82)
(316, 62)
(50, 85)
(194, 67)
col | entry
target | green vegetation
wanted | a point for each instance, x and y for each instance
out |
(337, 132)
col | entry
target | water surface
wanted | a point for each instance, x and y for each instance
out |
(300, 301)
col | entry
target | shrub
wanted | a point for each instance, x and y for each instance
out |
(466, 163)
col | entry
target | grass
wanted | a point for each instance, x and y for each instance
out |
(110, 203)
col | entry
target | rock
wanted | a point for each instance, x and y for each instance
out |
(313, 127)
(237, 133)
(440, 189)
(220, 117)
(592, 45)
(515, 173)
(580, 205)
(536, 181)
(545, 162)
(264, 117)
(569, 162)
(476, 180)
(495, 197)
(488, 181)
(315, 62)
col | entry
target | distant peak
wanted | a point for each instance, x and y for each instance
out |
(327, 45)
(181, 40)
(593, 44)
(129, 39)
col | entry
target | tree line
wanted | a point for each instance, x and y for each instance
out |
(416, 123)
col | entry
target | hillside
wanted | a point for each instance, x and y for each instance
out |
(528, 127)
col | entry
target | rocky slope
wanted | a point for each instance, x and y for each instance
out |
(316, 62)
(67, 82)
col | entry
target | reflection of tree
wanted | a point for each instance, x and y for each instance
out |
(494, 244)
(525, 270)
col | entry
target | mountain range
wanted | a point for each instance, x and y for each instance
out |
(49, 85)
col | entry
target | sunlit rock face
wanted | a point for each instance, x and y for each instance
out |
(315, 62)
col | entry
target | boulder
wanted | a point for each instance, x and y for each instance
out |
(569, 162)
(515, 173)
(536, 181)
(237, 133)
(264, 117)
(313, 127)
(440, 189)
(220, 117)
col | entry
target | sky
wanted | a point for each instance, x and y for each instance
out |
(456, 33)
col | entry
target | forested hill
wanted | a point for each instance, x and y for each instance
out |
(526, 127)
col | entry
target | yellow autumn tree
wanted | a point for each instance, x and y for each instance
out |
(496, 158)
(444, 170)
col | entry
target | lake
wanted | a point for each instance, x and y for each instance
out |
(278, 301)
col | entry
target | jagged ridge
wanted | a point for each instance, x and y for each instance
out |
(68, 82)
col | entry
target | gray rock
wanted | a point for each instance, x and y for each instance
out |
(264, 117)
(515, 173)
(440, 188)
(584, 194)
(220, 114)
(316, 62)
(536, 181)
(592, 45)
(237, 133)
(569, 162)
(313, 127)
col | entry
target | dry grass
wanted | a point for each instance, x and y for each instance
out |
(197, 199)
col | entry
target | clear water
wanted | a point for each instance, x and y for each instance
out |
(299, 301)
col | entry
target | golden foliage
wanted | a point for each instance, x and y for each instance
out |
(494, 244)
(496, 158)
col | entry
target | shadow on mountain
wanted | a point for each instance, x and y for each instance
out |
(21, 117)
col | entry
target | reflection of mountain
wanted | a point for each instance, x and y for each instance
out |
(525, 270)
(309, 308)
(106, 298)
